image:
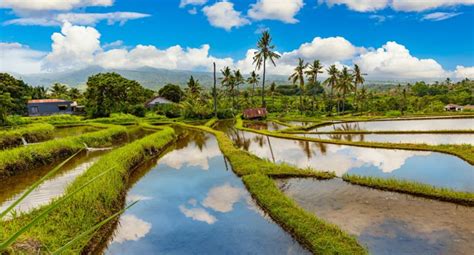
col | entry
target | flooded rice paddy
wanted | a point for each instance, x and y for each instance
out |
(431, 139)
(387, 222)
(61, 132)
(401, 125)
(192, 203)
(264, 125)
(438, 169)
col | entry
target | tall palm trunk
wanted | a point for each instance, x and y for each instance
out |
(263, 82)
(301, 94)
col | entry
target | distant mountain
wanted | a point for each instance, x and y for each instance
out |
(152, 78)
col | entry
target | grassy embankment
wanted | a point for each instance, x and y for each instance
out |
(387, 132)
(404, 186)
(464, 151)
(32, 133)
(413, 188)
(315, 234)
(36, 155)
(96, 202)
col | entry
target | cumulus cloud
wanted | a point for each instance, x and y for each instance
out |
(283, 10)
(131, 228)
(394, 61)
(223, 15)
(398, 5)
(51, 5)
(183, 3)
(77, 19)
(19, 58)
(222, 198)
(462, 72)
(438, 16)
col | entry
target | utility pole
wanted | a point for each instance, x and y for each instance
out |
(215, 91)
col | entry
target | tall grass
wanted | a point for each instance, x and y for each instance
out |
(317, 235)
(95, 203)
(413, 188)
(28, 157)
(32, 133)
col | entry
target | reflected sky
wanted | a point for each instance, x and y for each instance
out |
(398, 125)
(432, 139)
(264, 125)
(387, 222)
(427, 167)
(196, 205)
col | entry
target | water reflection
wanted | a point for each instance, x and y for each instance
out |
(196, 205)
(428, 167)
(432, 139)
(61, 132)
(131, 228)
(12, 188)
(264, 125)
(399, 125)
(387, 222)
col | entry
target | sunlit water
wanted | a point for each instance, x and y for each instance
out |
(433, 168)
(431, 139)
(192, 203)
(401, 125)
(261, 125)
(387, 222)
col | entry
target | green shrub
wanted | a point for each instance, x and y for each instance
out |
(32, 133)
(169, 110)
(138, 110)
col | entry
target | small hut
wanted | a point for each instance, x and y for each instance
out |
(255, 113)
(453, 108)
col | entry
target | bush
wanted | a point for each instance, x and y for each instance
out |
(225, 114)
(138, 110)
(169, 110)
(393, 113)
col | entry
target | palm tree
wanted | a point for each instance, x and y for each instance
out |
(272, 90)
(298, 75)
(58, 90)
(265, 51)
(74, 93)
(238, 80)
(194, 88)
(228, 81)
(358, 79)
(313, 70)
(253, 79)
(345, 84)
(362, 97)
(331, 81)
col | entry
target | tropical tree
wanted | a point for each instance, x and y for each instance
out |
(345, 84)
(272, 91)
(228, 81)
(74, 93)
(253, 79)
(358, 79)
(313, 70)
(265, 52)
(38, 92)
(6, 103)
(331, 82)
(238, 80)
(59, 90)
(18, 90)
(298, 75)
(171, 92)
(193, 87)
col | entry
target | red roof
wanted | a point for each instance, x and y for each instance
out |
(36, 101)
(255, 113)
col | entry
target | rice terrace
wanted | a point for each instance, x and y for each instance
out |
(236, 127)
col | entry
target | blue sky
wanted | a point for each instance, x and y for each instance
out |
(432, 39)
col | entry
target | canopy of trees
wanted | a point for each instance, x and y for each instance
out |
(171, 92)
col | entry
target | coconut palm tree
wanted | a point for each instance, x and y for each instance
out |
(194, 88)
(228, 81)
(238, 80)
(344, 84)
(58, 90)
(331, 82)
(253, 79)
(298, 75)
(265, 52)
(313, 70)
(358, 79)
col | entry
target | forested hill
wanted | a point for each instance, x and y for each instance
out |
(152, 78)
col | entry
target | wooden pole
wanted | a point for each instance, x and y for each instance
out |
(215, 91)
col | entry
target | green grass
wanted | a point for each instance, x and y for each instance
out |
(317, 235)
(90, 206)
(32, 133)
(463, 151)
(413, 188)
(36, 155)
(466, 131)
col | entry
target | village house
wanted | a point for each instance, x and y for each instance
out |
(255, 113)
(453, 108)
(157, 101)
(42, 107)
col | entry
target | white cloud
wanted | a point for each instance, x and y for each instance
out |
(51, 5)
(438, 16)
(131, 228)
(394, 61)
(283, 10)
(462, 72)
(193, 11)
(74, 47)
(77, 19)
(222, 198)
(398, 5)
(183, 3)
(223, 15)
(113, 45)
(15, 57)
(198, 214)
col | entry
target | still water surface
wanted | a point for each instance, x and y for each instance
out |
(387, 222)
(192, 203)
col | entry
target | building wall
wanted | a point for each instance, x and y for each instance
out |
(48, 108)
